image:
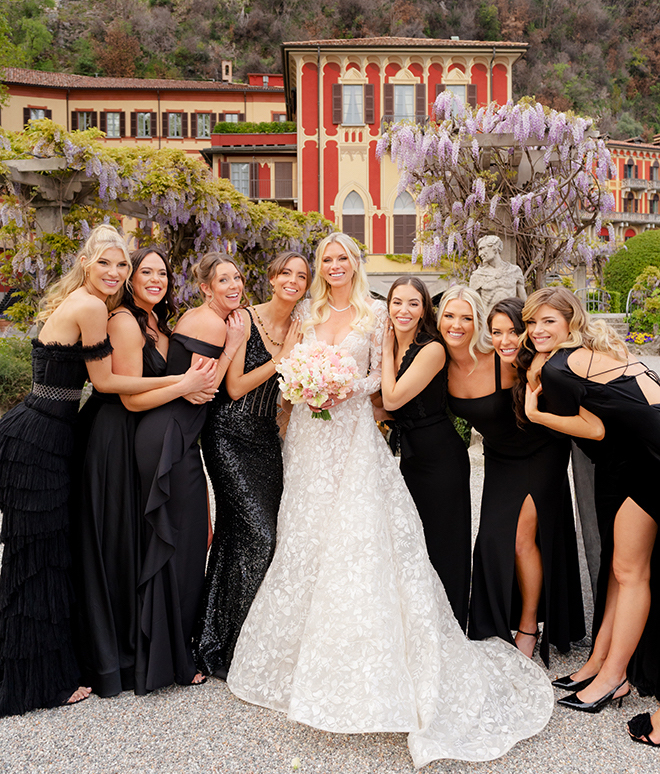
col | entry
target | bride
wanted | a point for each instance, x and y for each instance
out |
(351, 630)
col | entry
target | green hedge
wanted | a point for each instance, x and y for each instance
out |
(15, 370)
(615, 302)
(627, 264)
(249, 127)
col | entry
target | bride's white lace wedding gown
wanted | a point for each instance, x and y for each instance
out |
(351, 630)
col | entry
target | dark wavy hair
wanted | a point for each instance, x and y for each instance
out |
(164, 310)
(426, 328)
(512, 308)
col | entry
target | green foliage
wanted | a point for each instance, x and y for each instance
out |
(463, 428)
(615, 302)
(402, 257)
(623, 268)
(251, 127)
(15, 370)
(489, 20)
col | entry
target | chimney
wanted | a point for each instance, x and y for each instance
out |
(226, 70)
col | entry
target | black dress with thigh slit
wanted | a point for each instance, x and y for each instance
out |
(436, 468)
(243, 456)
(627, 464)
(105, 538)
(174, 530)
(519, 463)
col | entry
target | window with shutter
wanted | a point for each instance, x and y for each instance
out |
(254, 180)
(94, 118)
(102, 122)
(388, 102)
(404, 222)
(134, 125)
(369, 104)
(336, 103)
(284, 180)
(225, 170)
(353, 216)
(193, 125)
(420, 102)
(111, 120)
(154, 125)
(122, 124)
(472, 94)
(74, 121)
(184, 124)
(26, 116)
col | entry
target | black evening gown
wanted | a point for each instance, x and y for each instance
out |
(243, 456)
(37, 663)
(105, 531)
(174, 530)
(436, 468)
(627, 464)
(520, 463)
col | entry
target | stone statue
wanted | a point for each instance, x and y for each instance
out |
(496, 279)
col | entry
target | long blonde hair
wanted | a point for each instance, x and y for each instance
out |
(364, 319)
(595, 335)
(101, 238)
(480, 341)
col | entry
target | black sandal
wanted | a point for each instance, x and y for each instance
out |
(640, 728)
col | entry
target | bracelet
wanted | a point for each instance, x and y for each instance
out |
(274, 362)
(227, 356)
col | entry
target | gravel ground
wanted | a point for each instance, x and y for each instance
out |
(205, 729)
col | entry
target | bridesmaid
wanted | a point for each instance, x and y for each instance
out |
(243, 456)
(525, 563)
(176, 527)
(585, 364)
(106, 522)
(37, 660)
(434, 460)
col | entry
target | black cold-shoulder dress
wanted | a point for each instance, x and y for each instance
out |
(519, 463)
(37, 663)
(436, 468)
(174, 530)
(242, 451)
(105, 538)
(627, 464)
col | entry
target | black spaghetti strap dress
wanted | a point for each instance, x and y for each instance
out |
(105, 532)
(174, 529)
(37, 663)
(436, 468)
(520, 463)
(242, 451)
(627, 464)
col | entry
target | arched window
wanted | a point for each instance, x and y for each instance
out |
(654, 169)
(629, 169)
(353, 216)
(630, 204)
(405, 224)
(654, 205)
(629, 234)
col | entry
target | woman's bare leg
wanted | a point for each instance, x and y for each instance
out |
(634, 535)
(529, 571)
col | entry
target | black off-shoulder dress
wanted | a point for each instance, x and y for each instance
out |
(174, 530)
(37, 661)
(520, 463)
(243, 456)
(436, 468)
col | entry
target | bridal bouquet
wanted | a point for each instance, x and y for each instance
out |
(315, 372)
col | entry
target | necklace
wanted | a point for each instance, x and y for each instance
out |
(268, 336)
(339, 310)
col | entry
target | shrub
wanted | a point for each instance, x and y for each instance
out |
(615, 302)
(15, 370)
(250, 127)
(623, 268)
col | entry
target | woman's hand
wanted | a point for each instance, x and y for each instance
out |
(532, 402)
(235, 333)
(293, 337)
(332, 401)
(388, 339)
(200, 377)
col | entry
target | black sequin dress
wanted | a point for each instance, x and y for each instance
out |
(243, 456)
(520, 463)
(174, 530)
(105, 531)
(37, 661)
(436, 469)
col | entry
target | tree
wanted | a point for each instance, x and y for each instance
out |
(118, 52)
(528, 173)
(55, 186)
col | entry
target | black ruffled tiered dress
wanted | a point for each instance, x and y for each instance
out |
(37, 661)
(244, 459)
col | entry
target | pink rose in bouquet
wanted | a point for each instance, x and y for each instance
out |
(314, 373)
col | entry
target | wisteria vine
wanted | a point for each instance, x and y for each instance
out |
(520, 170)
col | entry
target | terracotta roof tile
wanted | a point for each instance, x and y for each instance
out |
(70, 81)
(416, 42)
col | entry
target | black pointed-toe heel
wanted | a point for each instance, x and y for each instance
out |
(640, 729)
(568, 684)
(572, 701)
